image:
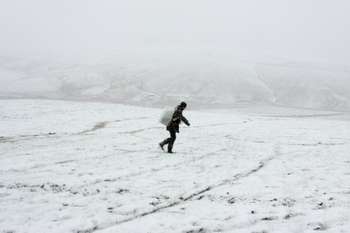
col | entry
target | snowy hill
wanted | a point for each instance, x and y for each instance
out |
(204, 81)
(93, 167)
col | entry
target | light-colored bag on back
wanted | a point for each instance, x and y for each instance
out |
(166, 116)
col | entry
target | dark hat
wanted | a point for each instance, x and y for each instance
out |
(183, 104)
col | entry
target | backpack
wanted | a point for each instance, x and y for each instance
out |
(166, 116)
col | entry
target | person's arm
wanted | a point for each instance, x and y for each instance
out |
(178, 116)
(185, 120)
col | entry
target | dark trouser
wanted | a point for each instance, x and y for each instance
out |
(170, 141)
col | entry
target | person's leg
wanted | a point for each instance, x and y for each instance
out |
(171, 141)
(166, 141)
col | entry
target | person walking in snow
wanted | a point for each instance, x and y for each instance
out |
(173, 127)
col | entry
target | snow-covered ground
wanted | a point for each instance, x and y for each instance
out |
(95, 167)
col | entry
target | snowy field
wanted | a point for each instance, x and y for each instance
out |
(95, 167)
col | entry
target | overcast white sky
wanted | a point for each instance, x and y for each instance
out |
(313, 30)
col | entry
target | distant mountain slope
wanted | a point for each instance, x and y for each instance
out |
(204, 82)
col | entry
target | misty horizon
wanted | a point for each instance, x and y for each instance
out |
(314, 31)
(154, 53)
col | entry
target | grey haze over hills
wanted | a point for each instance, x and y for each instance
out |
(156, 52)
(205, 80)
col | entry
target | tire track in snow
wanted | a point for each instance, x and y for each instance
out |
(161, 127)
(139, 130)
(103, 124)
(216, 124)
(119, 178)
(306, 115)
(181, 199)
(26, 137)
(132, 132)
(156, 169)
(54, 135)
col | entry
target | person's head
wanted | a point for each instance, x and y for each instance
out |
(182, 105)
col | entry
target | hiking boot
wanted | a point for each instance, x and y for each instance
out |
(161, 146)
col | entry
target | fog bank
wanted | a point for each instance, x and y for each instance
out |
(204, 80)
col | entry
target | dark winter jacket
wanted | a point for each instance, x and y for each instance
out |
(176, 120)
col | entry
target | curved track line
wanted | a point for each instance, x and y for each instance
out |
(181, 199)
(103, 124)
(156, 169)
